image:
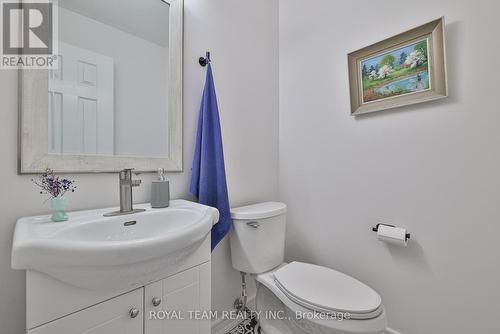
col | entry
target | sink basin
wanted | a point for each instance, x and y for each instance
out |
(96, 252)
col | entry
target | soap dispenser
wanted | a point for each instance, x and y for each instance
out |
(160, 191)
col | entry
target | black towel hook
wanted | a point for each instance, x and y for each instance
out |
(204, 60)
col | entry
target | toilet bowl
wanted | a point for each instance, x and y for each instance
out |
(297, 297)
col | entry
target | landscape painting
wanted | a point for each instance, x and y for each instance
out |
(401, 71)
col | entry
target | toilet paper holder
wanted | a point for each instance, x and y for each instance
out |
(375, 229)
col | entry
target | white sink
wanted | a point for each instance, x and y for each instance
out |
(96, 252)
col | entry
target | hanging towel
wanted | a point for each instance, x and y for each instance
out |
(208, 181)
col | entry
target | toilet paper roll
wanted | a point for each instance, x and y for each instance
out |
(392, 235)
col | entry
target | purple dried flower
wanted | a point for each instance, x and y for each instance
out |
(53, 185)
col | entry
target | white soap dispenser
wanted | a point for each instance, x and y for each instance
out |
(160, 191)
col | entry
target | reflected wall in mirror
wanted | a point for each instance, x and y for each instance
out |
(115, 98)
(112, 77)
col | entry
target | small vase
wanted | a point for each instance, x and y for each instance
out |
(59, 205)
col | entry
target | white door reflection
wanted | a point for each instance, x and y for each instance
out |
(81, 117)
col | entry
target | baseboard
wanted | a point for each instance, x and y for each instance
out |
(221, 326)
(391, 331)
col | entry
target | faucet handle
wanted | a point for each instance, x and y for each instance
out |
(126, 174)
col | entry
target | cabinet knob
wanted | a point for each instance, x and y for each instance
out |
(133, 312)
(156, 301)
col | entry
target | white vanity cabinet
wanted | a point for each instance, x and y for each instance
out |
(162, 306)
(165, 306)
(120, 315)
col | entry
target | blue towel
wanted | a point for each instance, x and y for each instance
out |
(208, 181)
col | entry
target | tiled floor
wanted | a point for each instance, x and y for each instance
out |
(248, 326)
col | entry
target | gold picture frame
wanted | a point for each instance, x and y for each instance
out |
(401, 70)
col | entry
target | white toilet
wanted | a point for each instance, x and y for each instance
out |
(298, 297)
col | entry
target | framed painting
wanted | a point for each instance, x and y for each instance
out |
(405, 69)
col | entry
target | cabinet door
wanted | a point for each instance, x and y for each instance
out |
(179, 296)
(120, 315)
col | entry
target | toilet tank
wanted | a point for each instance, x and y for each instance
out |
(258, 237)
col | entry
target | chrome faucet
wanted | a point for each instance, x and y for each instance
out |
(126, 185)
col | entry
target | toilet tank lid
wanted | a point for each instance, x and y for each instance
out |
(258, 211)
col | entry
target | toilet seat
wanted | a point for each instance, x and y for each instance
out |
(326, 290)
(270, 298)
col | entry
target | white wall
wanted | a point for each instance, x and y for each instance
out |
(243, 39)
(431, 167)
(247, 92)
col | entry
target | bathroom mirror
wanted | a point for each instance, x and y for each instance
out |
(115, 99)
